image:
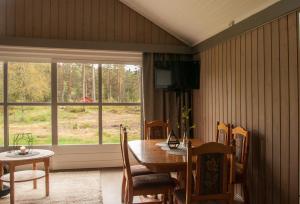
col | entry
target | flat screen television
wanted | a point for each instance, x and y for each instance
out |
(177, 75)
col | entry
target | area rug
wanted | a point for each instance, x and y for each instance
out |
(65, 187)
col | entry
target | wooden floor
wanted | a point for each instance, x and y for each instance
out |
(111, 186)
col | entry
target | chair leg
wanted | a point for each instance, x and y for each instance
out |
(171, 197)
(123, 189)
(165, 198)
(246, 193)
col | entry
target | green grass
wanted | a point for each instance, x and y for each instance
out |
(77, 124)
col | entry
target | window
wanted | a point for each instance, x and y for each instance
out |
(121, 96)
(77, 83)
(89, 102)
(29, 97)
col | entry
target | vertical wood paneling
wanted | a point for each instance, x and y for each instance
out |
(62, 19)
(207, 96)
(126, 25)
(249, 104)
(37, 18)
(20, 16)
(213, 81)
(71, 20)
(209, 134)
(79, 19)
(268, 113)
(238, 80)
(110, 20)
(243, 81)
(276, 112)
(54, 19)
(255, 76)
(228, 82)
(132, 26)
(2, 17)
(88, 20)
(10, 17)
(28, 18)
(148, 34)
(255, 141)
(224, 79)
(233, 80)
(118, 21)
(284, 107)
(261, 116)
(220, 82)
(46, 6)
(294, 109)
(217, 99)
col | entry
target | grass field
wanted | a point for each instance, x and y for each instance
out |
(76, 124)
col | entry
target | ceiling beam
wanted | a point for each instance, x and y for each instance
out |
(92, 45)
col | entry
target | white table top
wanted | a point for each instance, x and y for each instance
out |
(4, 156)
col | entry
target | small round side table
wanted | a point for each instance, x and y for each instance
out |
(13, 160)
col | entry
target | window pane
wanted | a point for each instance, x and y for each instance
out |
(1, 127)
(78, 125)
(29, 82)
(121, 83)
(113, 116)
(30, 119)
(1, 81)
(77, 82)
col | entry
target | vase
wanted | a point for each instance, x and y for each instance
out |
(185, 139)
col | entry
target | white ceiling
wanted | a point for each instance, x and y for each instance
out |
(194, 21)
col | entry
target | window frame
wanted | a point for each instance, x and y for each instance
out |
(54, 104)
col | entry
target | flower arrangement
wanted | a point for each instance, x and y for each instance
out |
(185, 121)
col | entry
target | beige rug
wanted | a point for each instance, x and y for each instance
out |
(65, 187)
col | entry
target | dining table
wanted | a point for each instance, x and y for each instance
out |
(151, 154)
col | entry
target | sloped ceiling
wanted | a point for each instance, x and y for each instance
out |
(194, 21)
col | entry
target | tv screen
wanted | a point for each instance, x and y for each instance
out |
(175, 75)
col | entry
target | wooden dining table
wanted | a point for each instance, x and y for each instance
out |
(148, 153)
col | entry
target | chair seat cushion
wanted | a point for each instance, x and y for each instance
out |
(137, 170)
(157, 180)
(180, 197)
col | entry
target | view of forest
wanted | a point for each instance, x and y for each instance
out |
(76, 83)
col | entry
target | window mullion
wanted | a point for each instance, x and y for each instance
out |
(5, 108)
(100, 103)
(54, 103)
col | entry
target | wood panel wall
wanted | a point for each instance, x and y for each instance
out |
(88, 20)
(252, 80)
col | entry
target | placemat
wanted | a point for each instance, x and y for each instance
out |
(14, 154)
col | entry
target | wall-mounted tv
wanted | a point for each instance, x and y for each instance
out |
(177, 75)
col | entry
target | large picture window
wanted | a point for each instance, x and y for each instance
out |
(69, 103)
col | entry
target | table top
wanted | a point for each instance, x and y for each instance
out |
(146, 152)
(40, 154)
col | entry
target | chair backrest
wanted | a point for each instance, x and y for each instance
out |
(156, 129)
(214, 178)
(242, 141)
(125, 155)
(223, 133)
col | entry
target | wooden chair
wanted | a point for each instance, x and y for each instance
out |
(136, 170)
(213, 176)
(150, 184)
(156, 129)
(223, 133)
(242, 140)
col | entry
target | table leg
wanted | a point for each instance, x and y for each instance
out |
(34, 181)
(46, 164)
(12, 183)
(1, 174)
